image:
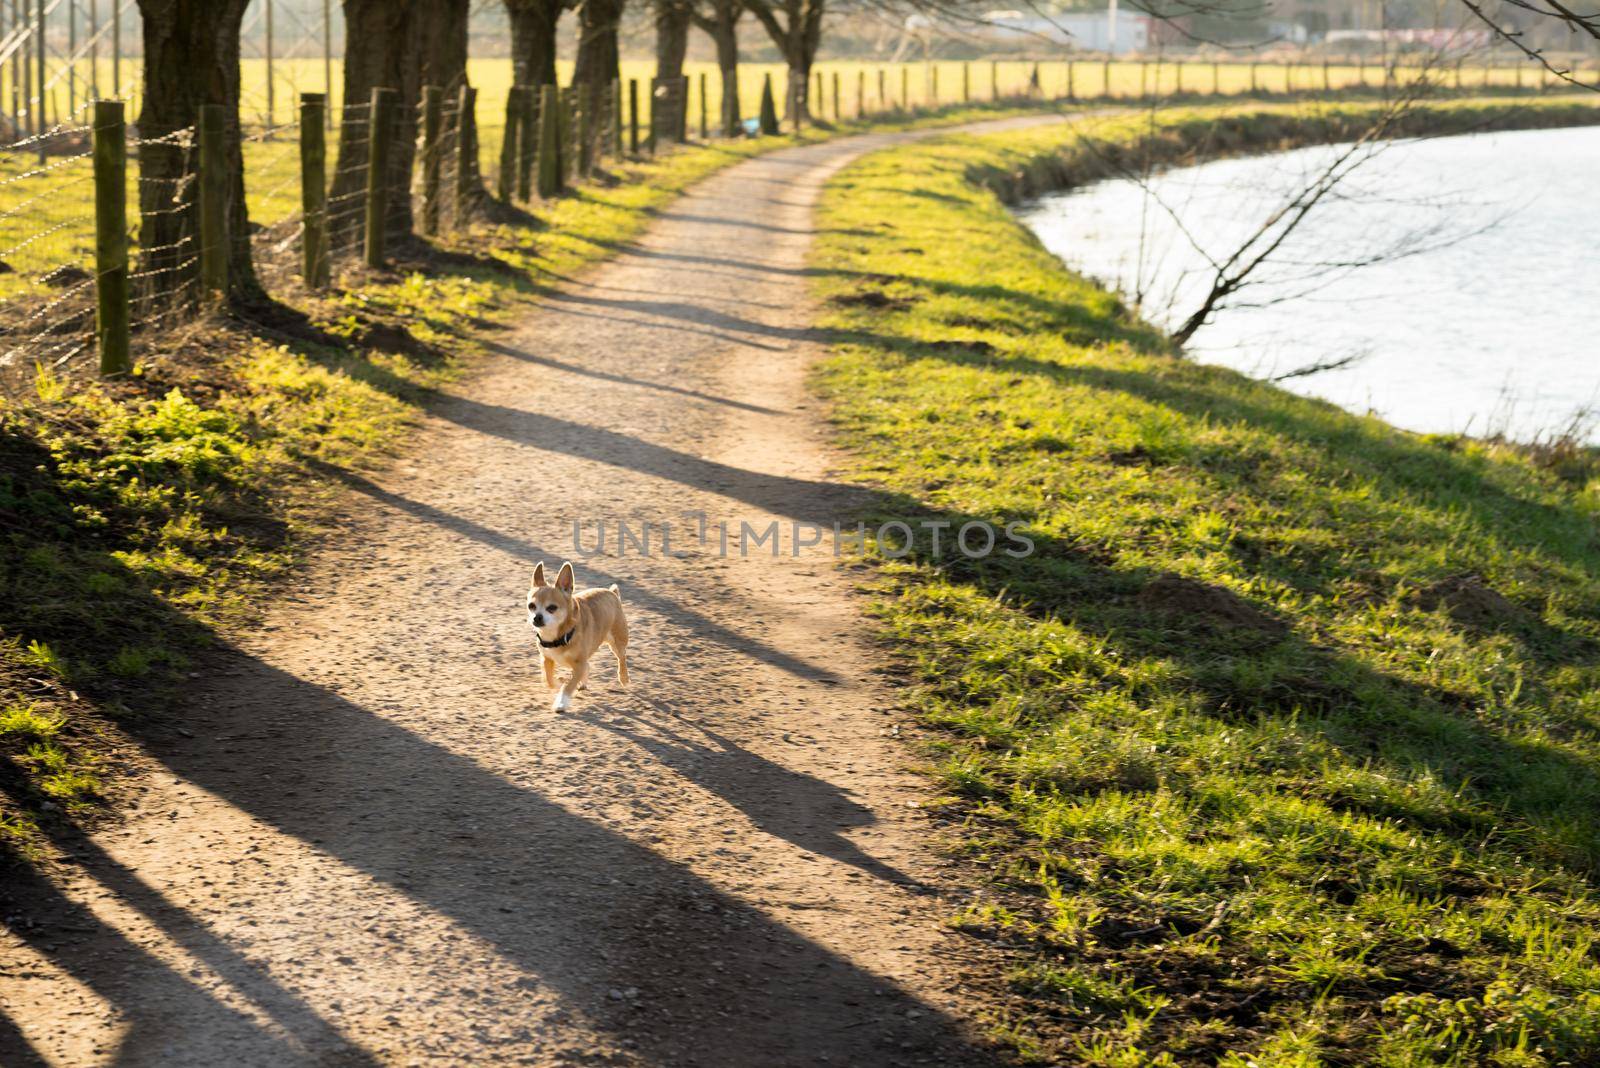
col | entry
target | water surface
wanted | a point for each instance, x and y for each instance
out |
(1490, 321)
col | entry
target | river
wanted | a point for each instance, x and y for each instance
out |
(1488, 323)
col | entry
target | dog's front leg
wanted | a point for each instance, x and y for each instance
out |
(549, 672)
(564, 698)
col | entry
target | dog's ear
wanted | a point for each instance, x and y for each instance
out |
(564, 579)
(538, 574)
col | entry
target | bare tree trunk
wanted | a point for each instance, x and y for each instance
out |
(380, 52)
(440, 27)
(672, 36)
(533, 40)
(533, 57)
(191, 57)
(799, 91)
(797, 33)
(723, 28)
(597, 66)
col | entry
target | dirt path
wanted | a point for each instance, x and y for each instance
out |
(379, 846)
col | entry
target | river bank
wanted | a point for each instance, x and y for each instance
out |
(1419, 332)
(1280, 746)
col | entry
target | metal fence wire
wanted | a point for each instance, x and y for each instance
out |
(60, 56)
(164, 284)
(47, 247)
(347, 182)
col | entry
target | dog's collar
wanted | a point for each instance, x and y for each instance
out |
(564, 639)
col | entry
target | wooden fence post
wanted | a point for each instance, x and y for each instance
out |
(550, 141)
(314, 267)
(511, 150)
(838, 114)
(379, 131)
(905, 89)
(1105, 77)
(432, 156)
(527, 139)
(566, 108)
(633, 116)
(769, 108)
(466, 149)
(994, 79)
(655, 117)
(616, 118)
(213, 200)
(883, 94)
(861, 93)
(705, 110)
(681, 83)
(966, 83)
(583, 102)
(1072, 94)
(41, 41)
(933, 84)
(111, 237)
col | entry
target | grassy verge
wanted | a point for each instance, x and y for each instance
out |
(1283, 747)
(137, 516)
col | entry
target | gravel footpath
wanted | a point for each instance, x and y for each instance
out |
(376, 844)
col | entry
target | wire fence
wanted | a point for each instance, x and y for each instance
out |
(347, 183)
(164, 288)
(445, 158)
(46, 247)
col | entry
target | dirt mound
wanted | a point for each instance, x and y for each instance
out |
(1471, 602)
(1187, 597)
(872, 298)
(961, 348)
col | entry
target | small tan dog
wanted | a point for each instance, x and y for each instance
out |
(572, 626)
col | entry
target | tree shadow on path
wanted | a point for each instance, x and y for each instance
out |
(802, 809)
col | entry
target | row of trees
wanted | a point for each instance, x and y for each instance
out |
(794, 25)
(191, 58)
(192, 51)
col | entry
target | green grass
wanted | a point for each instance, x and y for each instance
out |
(55, 223)
(1283, 747)
(939, 82)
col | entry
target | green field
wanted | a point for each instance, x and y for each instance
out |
(921, 84)
(1283, 748)
(46, 219)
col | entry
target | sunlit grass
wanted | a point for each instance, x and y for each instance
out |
(46, 221)
(1257, 778)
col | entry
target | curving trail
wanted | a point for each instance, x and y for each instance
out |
(380, 846)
